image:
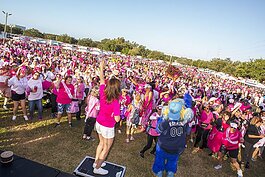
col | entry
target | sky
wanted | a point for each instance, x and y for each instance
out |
(197, 29)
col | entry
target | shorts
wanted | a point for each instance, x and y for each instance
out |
(61, 107)
(232, 153)
(17, 97)
(106, 132)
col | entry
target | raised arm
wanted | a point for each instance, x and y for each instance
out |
(101, 72)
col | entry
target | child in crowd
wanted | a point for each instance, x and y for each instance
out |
(133, 116)
(91, 109)
(152, 134)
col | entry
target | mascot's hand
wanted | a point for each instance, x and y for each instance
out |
(188, 115)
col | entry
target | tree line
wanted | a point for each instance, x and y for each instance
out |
(254, 69)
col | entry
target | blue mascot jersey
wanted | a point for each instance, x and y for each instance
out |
(173, 136)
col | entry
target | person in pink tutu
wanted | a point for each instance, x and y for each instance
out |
(215, 138)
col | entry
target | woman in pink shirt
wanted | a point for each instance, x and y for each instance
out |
(64, 98)
(230, 144)
(203, 129)
(109, 114)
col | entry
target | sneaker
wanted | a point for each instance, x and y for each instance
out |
(170, 174)
(119, 131)
(239, 173)
(127, 140)
(14, 117)
(90, 138)
(254, 159)
(26, 118)
(102, 165)
(100, 171)
(247, 165)
(132, 138)
(5, 108)
(153, 152)
(57, 125)
(195, 150)
(159, 174)
(218, 167)
(70, 125)
(142, 154)
(191, 140)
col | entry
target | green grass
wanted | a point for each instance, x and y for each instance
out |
(63, 148)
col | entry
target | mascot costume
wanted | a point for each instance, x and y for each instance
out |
(172, 126)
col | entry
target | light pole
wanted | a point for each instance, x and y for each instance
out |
(6, 14)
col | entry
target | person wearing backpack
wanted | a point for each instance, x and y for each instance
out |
(133, 117)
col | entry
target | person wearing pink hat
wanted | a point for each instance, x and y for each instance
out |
(18, 84)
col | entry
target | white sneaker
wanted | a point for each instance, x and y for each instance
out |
(14, 117)
(239, 173)
(119, 131)
(26, 118)
(102, 165)
(100, 171)
(218, 167)
(5, 108)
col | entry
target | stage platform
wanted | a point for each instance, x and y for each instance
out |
(22, 167)
(85, 169)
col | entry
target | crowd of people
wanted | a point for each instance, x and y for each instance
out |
(229, 117)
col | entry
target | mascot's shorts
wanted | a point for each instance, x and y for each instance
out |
(165, 161)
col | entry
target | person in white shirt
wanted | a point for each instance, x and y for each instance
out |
(35, 94)
(18, 84)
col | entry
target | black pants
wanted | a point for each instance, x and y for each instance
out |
(89, 126)
(150, 140)
(202, 134)
(248, 151)
(78, 114)
(54, 103)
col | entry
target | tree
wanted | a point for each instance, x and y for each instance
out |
(66, 38)
(157, 55)
(2, 27)
(50, 36)
(16, 30)
(33, 33)
(85, 42)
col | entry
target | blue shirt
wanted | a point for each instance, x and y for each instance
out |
(172, 137)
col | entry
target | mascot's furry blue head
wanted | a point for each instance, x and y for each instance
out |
(176, 111)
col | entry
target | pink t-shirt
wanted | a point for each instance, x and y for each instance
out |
(215, 140)
(107, 110)
(231, 140)
(62, 96)
(80, 91)
(206, 119)
(92, 106)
